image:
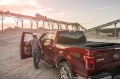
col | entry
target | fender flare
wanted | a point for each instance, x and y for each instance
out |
(62, 58)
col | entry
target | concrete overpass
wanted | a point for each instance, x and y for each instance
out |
(97, 29)
(37, 18)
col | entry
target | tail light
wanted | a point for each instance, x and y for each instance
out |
(89, 62)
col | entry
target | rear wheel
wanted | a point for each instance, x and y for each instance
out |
(65, 71)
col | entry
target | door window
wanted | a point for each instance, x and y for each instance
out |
(49, 38)
(43, 37)
(28, 37)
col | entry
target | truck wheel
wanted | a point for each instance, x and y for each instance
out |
(65, 71)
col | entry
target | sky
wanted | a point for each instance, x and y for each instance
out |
(89, 13)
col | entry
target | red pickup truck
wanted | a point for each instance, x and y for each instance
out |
(74, 56)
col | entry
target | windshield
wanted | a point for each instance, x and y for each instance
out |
(71, 37)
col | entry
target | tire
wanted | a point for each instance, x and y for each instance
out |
(65, 71)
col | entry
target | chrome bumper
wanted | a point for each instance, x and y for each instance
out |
(104, 75)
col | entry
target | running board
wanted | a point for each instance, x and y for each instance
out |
(48, 63)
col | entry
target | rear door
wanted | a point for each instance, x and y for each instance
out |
(25, 50)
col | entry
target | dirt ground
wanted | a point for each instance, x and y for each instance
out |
(12, 67)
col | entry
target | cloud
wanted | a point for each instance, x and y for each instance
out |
(19, 2)
(65, 13)
(63, 16)
(23, 7)
(31, 7)
(104, 8)
(85, 22)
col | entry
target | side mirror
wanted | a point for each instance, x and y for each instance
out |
(52, 41)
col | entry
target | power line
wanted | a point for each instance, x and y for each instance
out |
(104, 16)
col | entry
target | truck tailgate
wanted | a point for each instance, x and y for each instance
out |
(107, 56)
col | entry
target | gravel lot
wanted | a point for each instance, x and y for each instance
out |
(12, 67)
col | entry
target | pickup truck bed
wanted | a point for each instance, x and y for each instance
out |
(106, 55)
(93, 45)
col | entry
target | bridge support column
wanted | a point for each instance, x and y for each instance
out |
(97, 33)
(72, 27)
(48, 25)
(52, 25)
(17, 20)
(43, 23)
(2, 18)
(22, 20)
(66, 25)
(115, 30)
(58, 26)
(31, 22)
(77, 27)
(37, 22)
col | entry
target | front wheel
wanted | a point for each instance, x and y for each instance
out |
(65, 71)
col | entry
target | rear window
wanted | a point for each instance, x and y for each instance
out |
(71, 37)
